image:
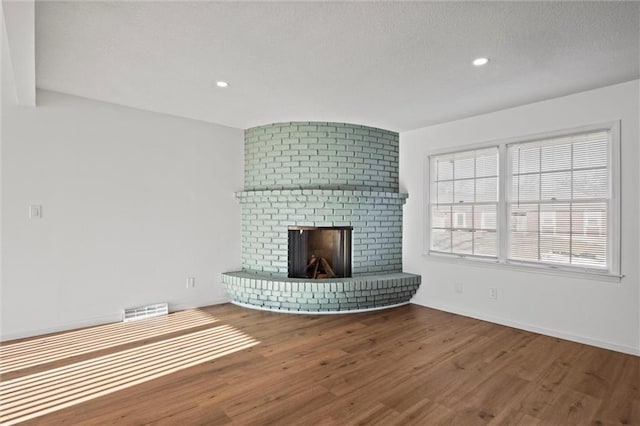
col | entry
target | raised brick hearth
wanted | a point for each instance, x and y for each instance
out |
(341, 294)
(321, 175)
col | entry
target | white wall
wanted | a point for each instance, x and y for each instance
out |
(600, 313)
(134, 202)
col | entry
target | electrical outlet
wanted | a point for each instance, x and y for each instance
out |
(458, 287)
(35, 211)
(493, 293)
(191, 282)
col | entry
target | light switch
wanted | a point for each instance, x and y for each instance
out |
(35, 211)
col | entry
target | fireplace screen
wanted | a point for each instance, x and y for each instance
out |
(318, 253)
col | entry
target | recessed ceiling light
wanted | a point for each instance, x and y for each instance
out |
(222, 84)
(478, 62)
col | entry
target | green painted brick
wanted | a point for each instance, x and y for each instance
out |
(266, 146)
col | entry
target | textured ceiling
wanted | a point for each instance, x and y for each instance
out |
(398, 66)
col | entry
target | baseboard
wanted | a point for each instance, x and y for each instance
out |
(100, 320)
(535, 329)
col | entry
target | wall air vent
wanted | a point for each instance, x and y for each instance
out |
(142, 312)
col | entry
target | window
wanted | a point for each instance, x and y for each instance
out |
(559, 204)
(464, 200)
(561, 181)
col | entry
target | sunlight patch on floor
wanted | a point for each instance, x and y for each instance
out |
(16, 356)
(37, 394)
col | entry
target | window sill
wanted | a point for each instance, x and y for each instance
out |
(522, 267)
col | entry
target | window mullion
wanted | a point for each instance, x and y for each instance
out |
(503, 222)
(571, 211)
(540, 197)
(473, 206)
(453, 200)
(539, 236)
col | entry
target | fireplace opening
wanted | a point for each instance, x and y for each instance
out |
(318, 253)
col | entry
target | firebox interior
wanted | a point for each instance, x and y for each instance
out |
(320, 253)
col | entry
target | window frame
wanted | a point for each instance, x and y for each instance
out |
(503, 232)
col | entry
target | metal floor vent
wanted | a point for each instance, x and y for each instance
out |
(142, 312)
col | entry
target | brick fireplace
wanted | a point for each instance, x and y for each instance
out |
(314, 176)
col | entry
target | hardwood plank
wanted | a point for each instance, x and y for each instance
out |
(407, 365)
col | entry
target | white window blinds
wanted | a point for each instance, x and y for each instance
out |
(463, 202)
(558, 200)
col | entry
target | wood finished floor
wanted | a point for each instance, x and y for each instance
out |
(408, 365)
